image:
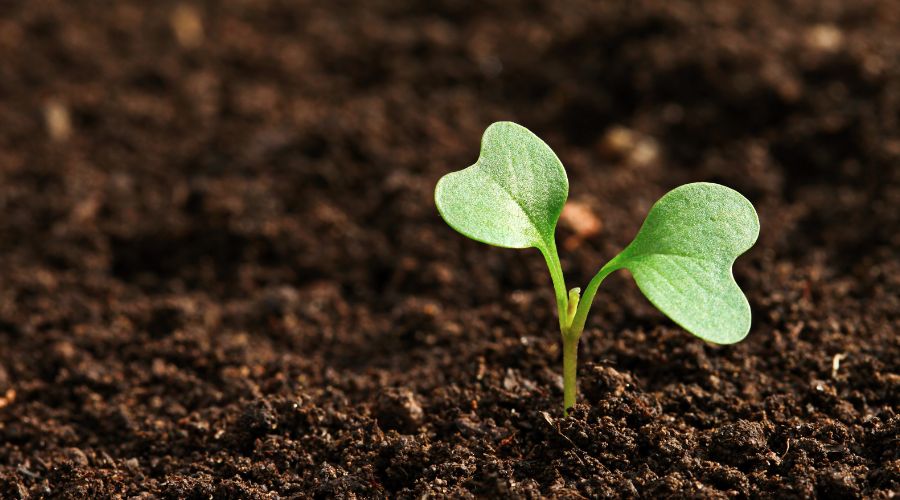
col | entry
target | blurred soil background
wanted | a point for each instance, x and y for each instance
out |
(222, 274)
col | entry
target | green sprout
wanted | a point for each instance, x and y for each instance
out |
(681, 258)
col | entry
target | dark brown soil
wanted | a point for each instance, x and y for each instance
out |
(222, 274)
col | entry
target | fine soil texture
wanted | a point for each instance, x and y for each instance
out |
(222, 274)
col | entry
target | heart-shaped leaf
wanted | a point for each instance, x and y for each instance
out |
(681, 259)
(512, 196)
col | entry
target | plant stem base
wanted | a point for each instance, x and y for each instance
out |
(570, 369)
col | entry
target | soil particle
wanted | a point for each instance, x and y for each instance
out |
(741, 444)
(398, 409)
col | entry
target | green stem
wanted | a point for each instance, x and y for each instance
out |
(572, 333)
(572, 310)
(587, 299)
(559, 284)
(570, 371)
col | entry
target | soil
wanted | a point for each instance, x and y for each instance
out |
(222, 274)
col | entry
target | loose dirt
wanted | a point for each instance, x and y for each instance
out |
(222, 274)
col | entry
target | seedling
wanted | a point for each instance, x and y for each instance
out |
(681, 258)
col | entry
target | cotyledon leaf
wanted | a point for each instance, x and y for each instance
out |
(512, 196)
(682, 256)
